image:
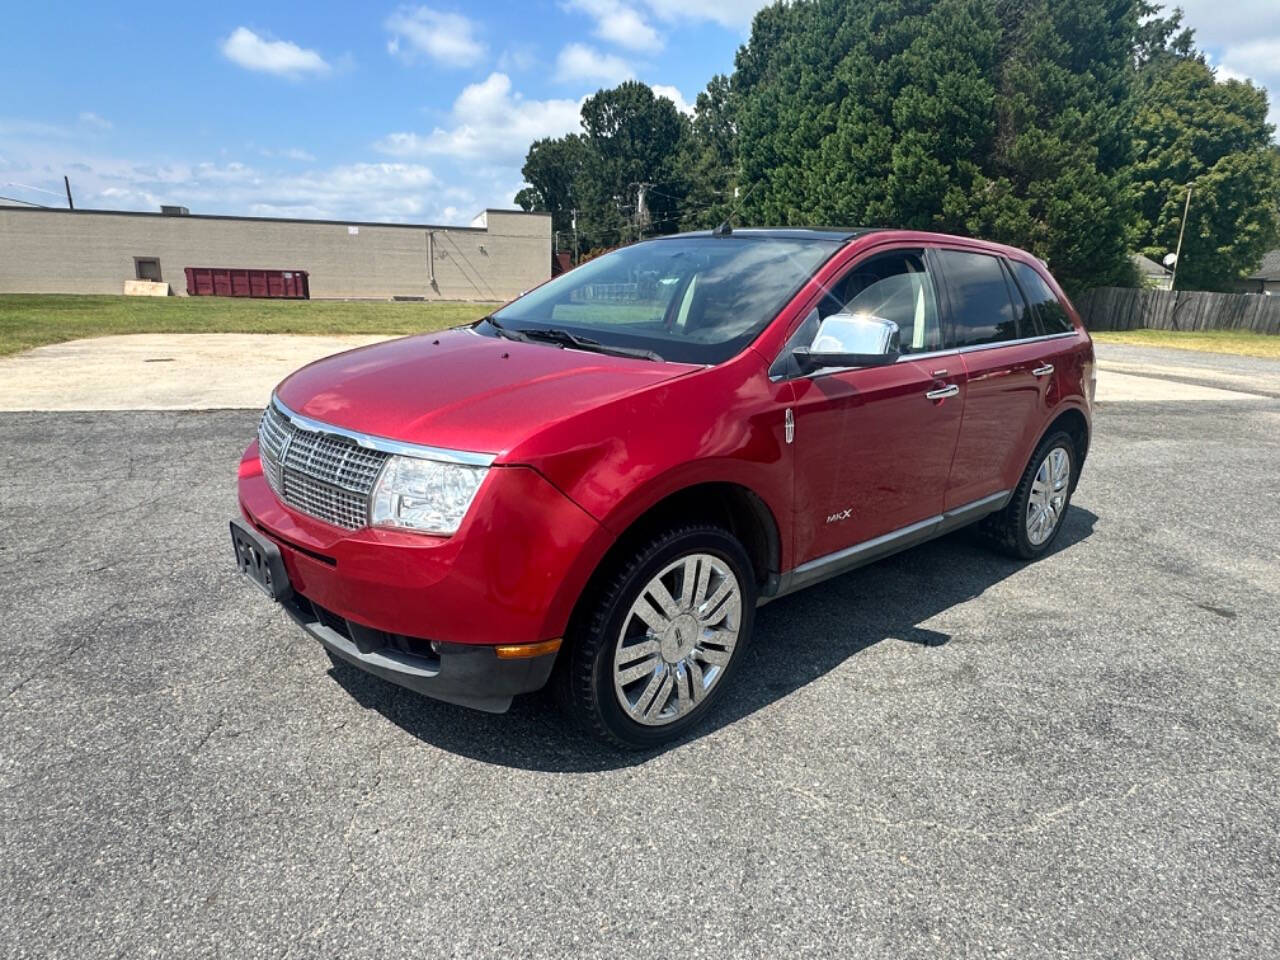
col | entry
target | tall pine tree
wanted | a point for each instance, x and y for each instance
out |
(993, 117)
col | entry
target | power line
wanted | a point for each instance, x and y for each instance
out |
(26, 186)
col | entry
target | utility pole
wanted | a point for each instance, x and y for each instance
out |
(66, 181)
(1177, 256)
(642, 209)
(575, 237)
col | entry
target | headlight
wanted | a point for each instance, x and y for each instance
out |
(424, 495)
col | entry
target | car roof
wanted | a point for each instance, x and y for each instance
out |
(835, 234)
(843, 235)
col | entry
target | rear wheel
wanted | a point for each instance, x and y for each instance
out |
(661, 638)
(1028, 526)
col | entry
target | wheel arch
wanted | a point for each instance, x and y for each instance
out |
(1076, 425)
(736, 507)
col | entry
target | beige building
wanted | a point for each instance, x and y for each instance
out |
(502, 253)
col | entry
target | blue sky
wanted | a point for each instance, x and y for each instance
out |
(375, 111)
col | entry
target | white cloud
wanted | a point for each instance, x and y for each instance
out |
(1220, 24)
(1224, 73)
(246, 48)
(1255, 58)
(727, 13)
(289, 153)
(619, 23)
(385, 191)
(489, 122)
(578, 62)
(518, 57)
(91, 119)
(674, 95)
(33, 128)
(447, 38)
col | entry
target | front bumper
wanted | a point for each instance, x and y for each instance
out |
(510, 575)
(466, 674)
(429, 613)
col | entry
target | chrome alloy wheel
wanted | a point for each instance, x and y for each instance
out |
(1048, 495)
(677, 639)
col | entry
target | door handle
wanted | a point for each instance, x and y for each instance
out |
(1043, 371)
(941, 394)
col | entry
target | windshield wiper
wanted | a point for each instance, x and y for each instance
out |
(566, 339)
(506, 332)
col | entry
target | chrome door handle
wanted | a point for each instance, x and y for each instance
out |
(1043, 371)
(948, 391)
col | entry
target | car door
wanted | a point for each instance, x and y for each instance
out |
(1059, 363)
(1002, 373)
(873, 445)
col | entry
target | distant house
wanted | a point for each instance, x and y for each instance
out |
(1266, 279)
(1151, 274)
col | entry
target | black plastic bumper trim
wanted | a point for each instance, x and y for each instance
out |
(464, 674)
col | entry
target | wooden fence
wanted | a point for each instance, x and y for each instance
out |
(1125, 308)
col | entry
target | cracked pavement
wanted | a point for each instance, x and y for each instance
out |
(944, 754)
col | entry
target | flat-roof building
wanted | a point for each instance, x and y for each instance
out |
(501, 254)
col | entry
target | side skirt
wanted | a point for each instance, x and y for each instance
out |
(869, 551)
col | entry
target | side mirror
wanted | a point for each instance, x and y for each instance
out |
(850, 340)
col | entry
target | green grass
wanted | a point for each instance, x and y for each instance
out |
(1239, 342)
(32, 320)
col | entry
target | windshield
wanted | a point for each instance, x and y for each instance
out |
(687, 299)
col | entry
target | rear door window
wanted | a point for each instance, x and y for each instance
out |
(1048, 309)
(982, 310)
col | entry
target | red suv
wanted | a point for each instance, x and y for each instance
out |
(598, 484)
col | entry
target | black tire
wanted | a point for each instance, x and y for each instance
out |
(1006, 530)
(585, 680)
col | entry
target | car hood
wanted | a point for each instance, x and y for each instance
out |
(461, 390)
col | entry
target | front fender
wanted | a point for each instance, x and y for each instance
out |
(639, 502)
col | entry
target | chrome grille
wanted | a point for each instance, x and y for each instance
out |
(320, 474)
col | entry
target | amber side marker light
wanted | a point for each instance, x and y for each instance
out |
(523, 651)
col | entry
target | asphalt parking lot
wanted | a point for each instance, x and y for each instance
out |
(944, 754)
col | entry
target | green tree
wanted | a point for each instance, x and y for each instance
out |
(1002, 118)
(1059, 169)
(1192, 130)
(553, 168)
(710, 157)
(635, 141)
(1162, 37)
(626, 163)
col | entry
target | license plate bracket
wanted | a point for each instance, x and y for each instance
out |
(260, 561)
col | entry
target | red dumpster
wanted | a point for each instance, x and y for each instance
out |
(236, 282)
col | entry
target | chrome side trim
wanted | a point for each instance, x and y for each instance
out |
(911, 357)
(977, 347)
(860, 554)
(966, 513)
(385, 444)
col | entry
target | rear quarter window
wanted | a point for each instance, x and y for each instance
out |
(982, 310)
(1048, 309)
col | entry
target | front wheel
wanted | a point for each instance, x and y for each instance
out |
(661, 638)
(1027, 527)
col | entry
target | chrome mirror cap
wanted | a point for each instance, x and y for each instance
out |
(855, 333)
(850, 340)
